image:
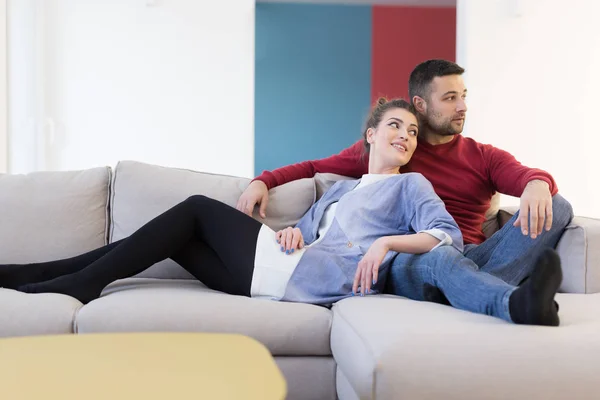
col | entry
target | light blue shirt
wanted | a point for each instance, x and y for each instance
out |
(400, 205)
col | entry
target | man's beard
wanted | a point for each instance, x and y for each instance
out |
(443, 128)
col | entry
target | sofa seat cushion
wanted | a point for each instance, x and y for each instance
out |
(391, 347)
(146, 304)
(36, 314)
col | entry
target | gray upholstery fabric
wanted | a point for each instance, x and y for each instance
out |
(579, 250)
(308, 378)
(143, 191)
(430, 351)
(40, 314)
(138, 304)
(51, 215)
(344, 387)
(288, 203)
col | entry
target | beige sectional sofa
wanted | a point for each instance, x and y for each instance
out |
(380, 347)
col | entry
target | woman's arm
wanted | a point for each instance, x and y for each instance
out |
(367, 271)
(431, 217)
(433, 225)
(416, 243)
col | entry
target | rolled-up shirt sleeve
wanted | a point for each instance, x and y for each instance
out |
(443, 237)
(431, 217)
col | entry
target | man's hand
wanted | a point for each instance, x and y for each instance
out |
(290, 239)
(368, 267)
(536, 206)
(255, 193)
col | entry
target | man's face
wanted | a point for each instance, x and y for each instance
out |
(446, 105)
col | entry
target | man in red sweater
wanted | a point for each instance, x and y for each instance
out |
(464, 173)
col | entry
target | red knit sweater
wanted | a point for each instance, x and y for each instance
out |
(464, 173)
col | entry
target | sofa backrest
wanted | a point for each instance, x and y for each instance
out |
(52, 215)
(142, 191)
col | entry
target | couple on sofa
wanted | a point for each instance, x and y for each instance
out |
(398, 228)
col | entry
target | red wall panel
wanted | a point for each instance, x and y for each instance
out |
(402, 38)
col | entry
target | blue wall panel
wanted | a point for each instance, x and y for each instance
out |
(313, 80)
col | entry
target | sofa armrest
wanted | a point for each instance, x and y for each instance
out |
(579, 250)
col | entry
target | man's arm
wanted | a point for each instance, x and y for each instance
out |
(349, 162)
(509, 176)
(535, 188)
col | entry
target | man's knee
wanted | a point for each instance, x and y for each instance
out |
(562, 212)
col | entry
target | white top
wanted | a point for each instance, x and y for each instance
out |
(273, 268)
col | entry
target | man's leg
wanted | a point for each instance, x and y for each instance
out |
(467, 288)
(456, 276)
(510, 255)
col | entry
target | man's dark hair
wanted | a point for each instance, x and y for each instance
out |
(423, 74)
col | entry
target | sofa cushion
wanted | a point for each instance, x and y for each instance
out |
(138, 304)
(50, 215)
(390, 347)
(143, 191)
(36, 314)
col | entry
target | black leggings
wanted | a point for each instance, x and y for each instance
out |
(214, 242)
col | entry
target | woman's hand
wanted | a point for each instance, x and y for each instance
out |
(368, 268)
(290, 239)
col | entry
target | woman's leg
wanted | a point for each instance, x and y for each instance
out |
(206, 266)
(229, 233)
(15, 275)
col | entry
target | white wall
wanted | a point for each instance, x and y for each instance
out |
(3, 90)
(23, 101)
(533, 75)
(169, 82)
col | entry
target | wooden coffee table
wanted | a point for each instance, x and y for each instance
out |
(138, 366)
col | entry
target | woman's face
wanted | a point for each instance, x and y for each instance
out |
(394, 140)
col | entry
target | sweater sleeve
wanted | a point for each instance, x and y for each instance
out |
(349, 162)
(306, 224)
(509, 176)
(430, 215)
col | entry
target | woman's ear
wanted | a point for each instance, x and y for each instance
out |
(420, 105)
(370, 133)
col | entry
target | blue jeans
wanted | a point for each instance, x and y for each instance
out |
(483, 277)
